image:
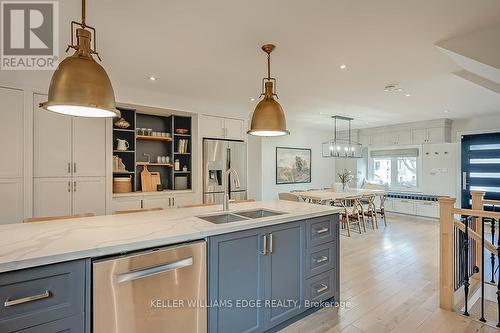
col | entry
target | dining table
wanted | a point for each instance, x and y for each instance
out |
(328, 195)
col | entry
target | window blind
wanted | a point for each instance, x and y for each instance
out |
(408, 152)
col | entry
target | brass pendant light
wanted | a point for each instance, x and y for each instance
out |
(80, 86)
(268, 119)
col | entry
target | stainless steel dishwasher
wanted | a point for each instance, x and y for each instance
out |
(152, 291)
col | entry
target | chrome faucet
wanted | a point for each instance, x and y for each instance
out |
(225, 205)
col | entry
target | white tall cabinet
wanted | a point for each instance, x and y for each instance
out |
(69, 163)
(12, 166)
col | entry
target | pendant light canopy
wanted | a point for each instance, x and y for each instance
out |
(268, 119)
(342, 148)
(80, 86)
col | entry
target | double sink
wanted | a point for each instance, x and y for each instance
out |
(239, 216)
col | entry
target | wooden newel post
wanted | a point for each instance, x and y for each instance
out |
(446, 253)
(477, 226)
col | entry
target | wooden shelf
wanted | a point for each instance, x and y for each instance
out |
(182, 171)
(182, 135)
(123, 172)
(154, 138)
(123, 129)
(176, 153)
(123, 151)
(155, 164)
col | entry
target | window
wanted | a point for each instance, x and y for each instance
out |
(396, 168)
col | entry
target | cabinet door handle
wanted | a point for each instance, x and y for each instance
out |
(322, 230)
(69, 186)
(74, 167)
(271, 243)
(320, 259)
(169, 202)
(323, 287)
(264, 245)
(8, 302)
(173, 202)
(69, 167)
(74, 186)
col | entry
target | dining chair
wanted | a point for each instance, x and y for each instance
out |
(119, 212)
(381, 209)
(369, 209)
(352, 214)
(288, 196)
(54, 218)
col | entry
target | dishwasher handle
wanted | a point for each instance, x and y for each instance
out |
(150, 271)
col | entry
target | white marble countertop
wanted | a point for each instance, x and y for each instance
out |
(34, 244)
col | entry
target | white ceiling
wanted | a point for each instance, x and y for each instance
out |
(207, 58)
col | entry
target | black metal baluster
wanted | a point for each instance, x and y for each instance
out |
(498, 285)
(492, 256)
(466, 265)
(480, 220)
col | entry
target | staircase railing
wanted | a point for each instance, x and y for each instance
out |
(462, 251)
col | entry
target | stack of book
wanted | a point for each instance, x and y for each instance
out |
(183, 146)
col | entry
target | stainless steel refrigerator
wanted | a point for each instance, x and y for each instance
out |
(218, 157)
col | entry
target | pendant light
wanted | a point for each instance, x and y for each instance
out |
(268, 119)
(80, 86)
(342, 148)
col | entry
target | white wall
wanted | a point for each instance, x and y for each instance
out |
(262, 167)
(475, 124)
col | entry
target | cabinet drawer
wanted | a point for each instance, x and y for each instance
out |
(320, 259)
(67, 325)
(320, 230)
(320, 287)
(428, 209)
(40, 295)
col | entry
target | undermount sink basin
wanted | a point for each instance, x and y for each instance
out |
(222, 218)
(239, 216)
(258, 213)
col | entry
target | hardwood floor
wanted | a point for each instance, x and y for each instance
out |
(389, 283)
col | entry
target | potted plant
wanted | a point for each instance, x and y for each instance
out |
(345, 177)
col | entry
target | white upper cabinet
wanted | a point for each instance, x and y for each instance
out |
(11, 135)
(89, 195)
(68, 146)
(235, 129)
(436, 131)
(419, 135)
(11, 200)
(221, 128)
(436, 135)
(52, 142)
(52, 197)
(429, 135)
(89, 147)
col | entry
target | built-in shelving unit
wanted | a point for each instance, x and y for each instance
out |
(144, 150)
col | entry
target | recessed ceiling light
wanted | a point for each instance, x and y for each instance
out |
(407, 95)
(252, 99)
(152, 78)
(392, 88)
(445, 111)
(343, 66)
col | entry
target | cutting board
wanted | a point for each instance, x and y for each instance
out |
(155, 179)
(147, 180)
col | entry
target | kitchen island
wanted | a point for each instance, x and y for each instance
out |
(293, 253)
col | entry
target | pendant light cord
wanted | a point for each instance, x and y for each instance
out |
(269, 66)
(84, 8)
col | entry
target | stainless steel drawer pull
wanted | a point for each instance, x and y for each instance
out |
(271, 243)
(323, 287)
(139, 274)
(264, 245)
(322, 230)
(321, 259)
(9, 302)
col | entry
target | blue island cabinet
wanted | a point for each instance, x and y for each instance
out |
(259, 278)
